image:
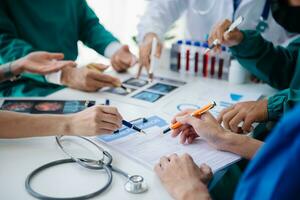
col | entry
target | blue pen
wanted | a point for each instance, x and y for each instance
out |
(126, 123)
(132, 126)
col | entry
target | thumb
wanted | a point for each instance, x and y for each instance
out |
(125, 48)
(206, 173)
(98, 66)
(188, 119)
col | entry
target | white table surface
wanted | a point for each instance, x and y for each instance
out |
(18, 157)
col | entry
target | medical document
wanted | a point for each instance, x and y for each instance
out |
(149, 148)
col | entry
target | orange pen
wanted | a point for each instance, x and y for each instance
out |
(196, 113)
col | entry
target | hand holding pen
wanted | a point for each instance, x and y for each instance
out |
(196, 113)
(118, 83)
(225, 33)
(126, 123)
(150, 51)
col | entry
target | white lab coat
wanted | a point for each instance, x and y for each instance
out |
(161, 14)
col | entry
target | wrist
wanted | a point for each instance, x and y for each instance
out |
(232, 142)
(67, 125)
(17, 67)
(67, 74)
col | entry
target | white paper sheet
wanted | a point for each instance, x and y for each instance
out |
(148, 149)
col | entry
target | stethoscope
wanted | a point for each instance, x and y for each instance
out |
(134, 183)
(261, 26)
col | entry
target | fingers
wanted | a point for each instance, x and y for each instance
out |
(193, 121)
(139, 71)
(164, 161)
(235, 121)
(222, 29)
(228, 117)
(122, 59)
(229, 39)
(186, 135)
(177, 131)
(98, 66)
(222, 113)
(206, 173)
(51, 56)
(115, 119)
(182, 113)
(145, 51)
(108, 118)
(249, 120)
(111, 127)
(158, 50)
(106, 79)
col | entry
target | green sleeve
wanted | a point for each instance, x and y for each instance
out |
(91, 32)
(282, 102)
(11, 47)
(274, 65)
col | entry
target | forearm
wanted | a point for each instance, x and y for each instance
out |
(18, 125)
(242, 145)
(274, 65)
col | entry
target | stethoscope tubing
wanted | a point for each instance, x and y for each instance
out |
(107, 168)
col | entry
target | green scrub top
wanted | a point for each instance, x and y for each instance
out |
(46, 25)
(276, 65)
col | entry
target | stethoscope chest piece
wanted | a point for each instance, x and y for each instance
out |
(136, 184)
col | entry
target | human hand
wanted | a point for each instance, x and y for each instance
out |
(87, 79)
(182, 178)
(206, 127)
(43, 63)
(246, 112)
(95, 120)
(230, 39)
(145, 52)
(123, 59)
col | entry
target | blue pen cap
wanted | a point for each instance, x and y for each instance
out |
(205, 45)
(179, 42)
(197, 44)
(188, 42)
(224, 48)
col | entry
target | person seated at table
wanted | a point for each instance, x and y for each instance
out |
(92, 121)
(275, 65)
(57, 26)
(272, 174)
(199, 17)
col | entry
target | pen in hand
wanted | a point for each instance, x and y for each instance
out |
(194, 114)
(233, 26)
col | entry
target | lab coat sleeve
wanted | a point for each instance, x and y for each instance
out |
(274, 65)
(159, 16)
(282, 102)
(11, 47)
(91, 32)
